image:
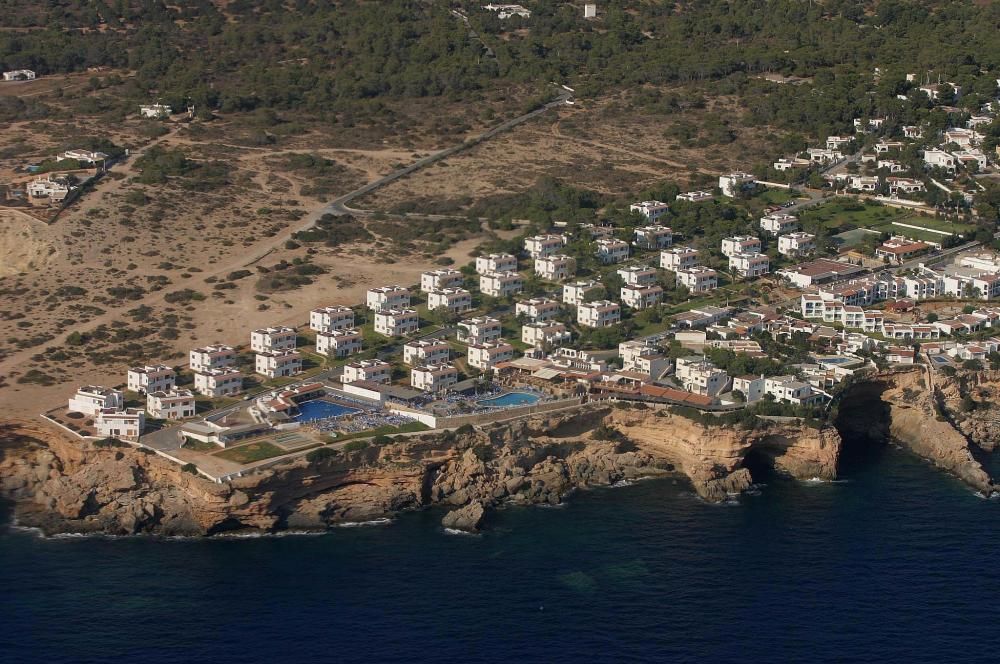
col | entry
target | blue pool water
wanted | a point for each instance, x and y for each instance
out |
(320, 409)
(510, 399)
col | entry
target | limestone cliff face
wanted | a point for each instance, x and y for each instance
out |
(981, 424)
(713, 456)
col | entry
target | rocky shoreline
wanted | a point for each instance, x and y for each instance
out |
(65, 486)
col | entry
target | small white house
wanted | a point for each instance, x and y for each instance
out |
(387, 297)
(372, 371)
(654, 237)
(92, 399)
(940, 159)
(776, 224)
(493, 263)
(170, 405)
(126, 424)
(453, 300)
(213, 356)
(83, 156)
(278, 363)
(426, 351)
(610, 250)
(695, 196)
(638, 275)
(339, 342)
(652, 210)
(733, 184)
(440, 279)
(155, 111)
(540, 246)
(641, 297)
(397, 322)
(328, 319)
(487, 355)
(19, 75)
(433, 377)
(556, 267)
(151, 378)
(501, 284)
(218, 382)
(796, 244)
(549, 333)
(46, 187)
(700, 376)
(538, 309)
(678, 258)
(698, 279)
(578, 292)
(750, 265)
(599, 313)
(270, 339)
(740, 244)
(479, 330)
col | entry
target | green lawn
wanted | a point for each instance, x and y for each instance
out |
(911, 233)
(252, 452)
(839, 214)
(937, 224)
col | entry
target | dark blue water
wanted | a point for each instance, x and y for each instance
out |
(898, 563)
(320, 409)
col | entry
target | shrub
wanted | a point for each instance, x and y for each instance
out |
(321, 454)
(381, 439)
(190, 468)
(356, 446)
(109, 442)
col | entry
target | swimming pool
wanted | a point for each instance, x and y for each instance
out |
(510, 399)
(321, 409)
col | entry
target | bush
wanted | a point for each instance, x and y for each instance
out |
(109, 442)
(321, 454)
(190, 468)
(381, 439)
(356, 446)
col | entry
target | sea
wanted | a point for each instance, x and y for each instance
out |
(894, 562)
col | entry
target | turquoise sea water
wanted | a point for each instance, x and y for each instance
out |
(898, 562)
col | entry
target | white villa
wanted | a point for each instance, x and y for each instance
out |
(373, 371)
(218, 382)
(278, 363)
(654, 237)
(155, 111)
(433, 377)
(328, 319)
(338, 343)
(599, 313)
(538, 309)
(152, 378)
(612, 251)
(700, 376)
(796, 244)
(641, 297)
(269, 339)
(698, 279)
(695, 196)
(652, 210)
(487, 355)
(387, 297)
(92, 399)
(46, 187)
(440, 279)
(735, 183)
(126, 423)
(170, 405)
(638, 275)
(213, 356)
(19, 75)
(555, 267)
(540, 246)
(493, 263)
(426, 351)
(397, 322)
(740, 244)
(577, 292)
(83, 156)
(940, 159)
(501, 284)
(549, 333)
(479, 330)
(455, 300)
(750, 265)
(790, 389)
(776, 224)
(678, 258)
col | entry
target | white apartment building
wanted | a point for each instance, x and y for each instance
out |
(641, 297)
(455, 300)
(269, 339)
(791, 390)
(126, 424)
(171, 405)
(433, 377)
(776, 224)
(965, 282)
(440, 279)
(752, 387)
(540, 246)
(493, 263)
(485, 356)
(695, 196)
(740, 244)
(678, 258)
(599, 313)
(151, 378)
(479, 330)
(544, 334)
(611, 251)
(387, 297)
(278, 363)
(700, 376)
(328, 319)
(796, 244)
(735, 183)
(538, 309)
(501, 284)
(698, 279)
(338, 343)
(652, 210)
(397, 322)
(92, 399)
(213, 356)
(750, 265)
(426, 351)
(556, 267)
(638, 275)
(373, 371)
(654, 237)
(218, 382)
(650, 363)
(633, 348)
(577, 292)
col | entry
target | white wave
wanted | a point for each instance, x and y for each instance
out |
(359, 524)
(621, 483)
(456, 531)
